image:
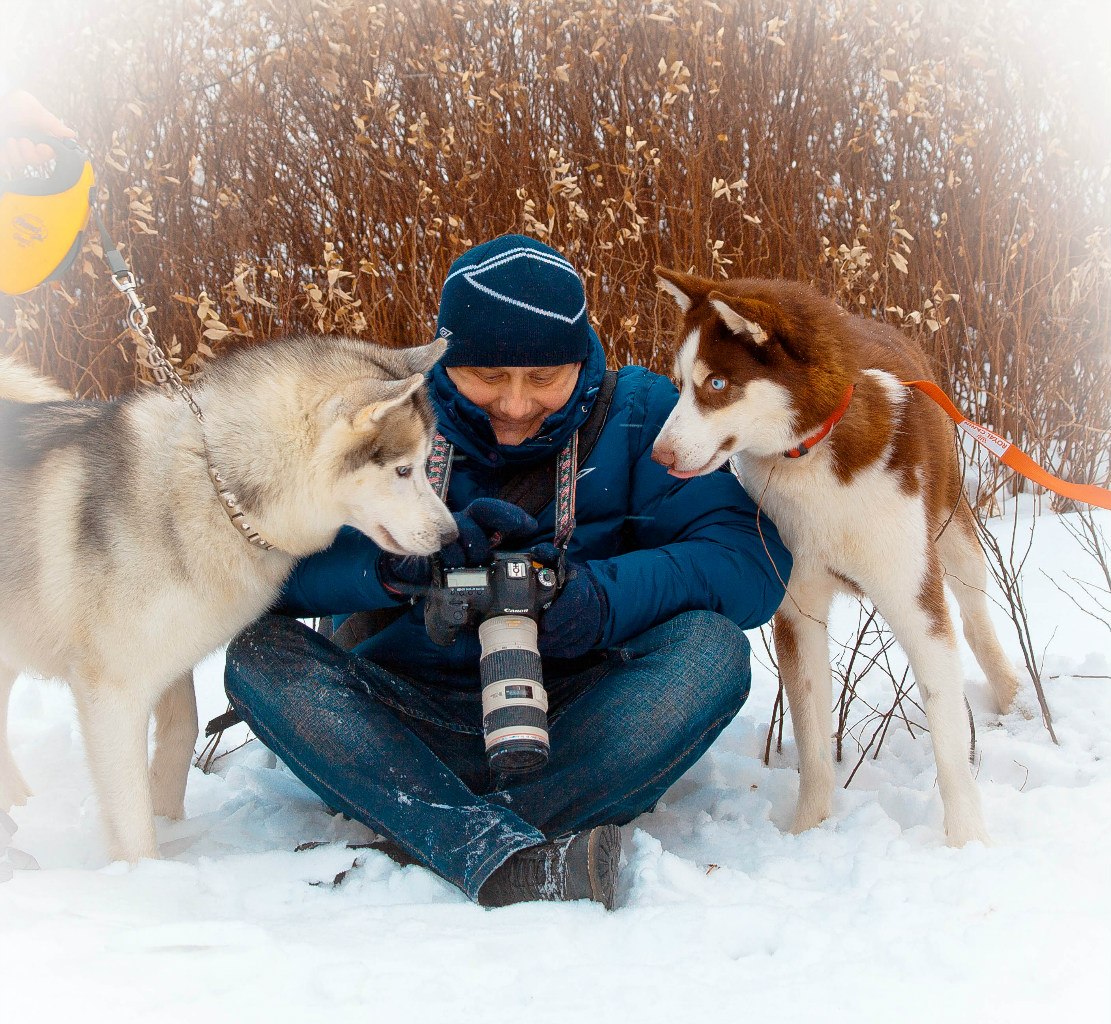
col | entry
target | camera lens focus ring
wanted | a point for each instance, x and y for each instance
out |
(515, 717)
(510, 664)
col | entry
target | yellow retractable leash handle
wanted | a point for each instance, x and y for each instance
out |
(42, 225)
(42, 220)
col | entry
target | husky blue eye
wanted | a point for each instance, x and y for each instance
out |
(718, 383)
(404, 470)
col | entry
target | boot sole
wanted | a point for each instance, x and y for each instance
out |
(604, 858)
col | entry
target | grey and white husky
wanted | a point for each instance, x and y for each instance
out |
(120, 569)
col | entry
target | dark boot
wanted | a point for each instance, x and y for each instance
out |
(581, 866)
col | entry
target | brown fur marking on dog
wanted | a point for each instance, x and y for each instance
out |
(801, 329)
(807, 352)
(395, 439)
(849, 584)
(931, 598)
(786, 645)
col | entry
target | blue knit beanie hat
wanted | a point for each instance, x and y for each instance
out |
(513, 302)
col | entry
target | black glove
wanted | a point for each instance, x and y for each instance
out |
(404, 576)
(573, 624)
(482, 526)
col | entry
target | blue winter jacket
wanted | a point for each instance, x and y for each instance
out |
(657, 546)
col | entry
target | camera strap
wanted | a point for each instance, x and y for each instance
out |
(566, 472)
(535, 486)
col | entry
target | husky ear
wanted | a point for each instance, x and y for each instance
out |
(751, 317)
(387, 396)
(686, 289)
(401, 363)
(422, 358)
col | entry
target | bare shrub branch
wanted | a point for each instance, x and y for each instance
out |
(317, 165)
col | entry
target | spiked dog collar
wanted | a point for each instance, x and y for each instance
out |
(805, 446)
(234, 511)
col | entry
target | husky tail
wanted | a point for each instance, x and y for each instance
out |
(20, 384)
(17, 384)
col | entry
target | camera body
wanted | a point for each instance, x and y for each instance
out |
(512, 584)
(504, 599)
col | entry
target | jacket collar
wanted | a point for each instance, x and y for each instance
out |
(468, 428)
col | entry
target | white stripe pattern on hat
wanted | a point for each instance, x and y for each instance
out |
(471, 273)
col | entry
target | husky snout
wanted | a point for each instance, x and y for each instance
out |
(666, 456)
(449, 531)
(678, 458)
(663, 453)
(664, 448)
(445, 529)
(430, 528)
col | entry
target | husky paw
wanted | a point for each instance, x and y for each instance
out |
(1003, 696)
(958, 834)
(14, 791)
(807, 818)
(169, 807)
(167, 793)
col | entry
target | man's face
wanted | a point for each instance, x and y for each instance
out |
(516, 398)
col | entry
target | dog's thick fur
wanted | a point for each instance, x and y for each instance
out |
(119, 570)
(876, 508)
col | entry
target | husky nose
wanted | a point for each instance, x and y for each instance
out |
(663, 455)
(448, 531)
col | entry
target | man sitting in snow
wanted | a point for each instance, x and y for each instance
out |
(643, 656)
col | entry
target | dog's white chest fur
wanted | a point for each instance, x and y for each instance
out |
(859, 529)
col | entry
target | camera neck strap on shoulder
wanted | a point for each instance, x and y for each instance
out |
(535, 486)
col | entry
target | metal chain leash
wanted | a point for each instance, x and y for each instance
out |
(169, 379)
(154, 358)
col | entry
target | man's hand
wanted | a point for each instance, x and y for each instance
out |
(572, 626)
(483, 525)
(22, 115)
(404, 576)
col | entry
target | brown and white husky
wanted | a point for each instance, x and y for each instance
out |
(860, 475)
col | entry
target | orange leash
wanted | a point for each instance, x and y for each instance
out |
(1008, 454)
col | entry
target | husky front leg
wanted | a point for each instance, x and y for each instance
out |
(802, 650)
(175, 735)
(918, 616)
(13, 788)
(114, 723)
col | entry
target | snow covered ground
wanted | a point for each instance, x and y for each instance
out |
(869, 917)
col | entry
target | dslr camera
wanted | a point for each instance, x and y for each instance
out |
(504, 599)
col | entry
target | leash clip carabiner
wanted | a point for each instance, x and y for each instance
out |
(136, 316)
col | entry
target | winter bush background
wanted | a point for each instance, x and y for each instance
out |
(273, 165)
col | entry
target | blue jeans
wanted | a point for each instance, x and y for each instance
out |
(406, 756)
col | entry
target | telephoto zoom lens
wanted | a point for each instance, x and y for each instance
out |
(514, 702)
